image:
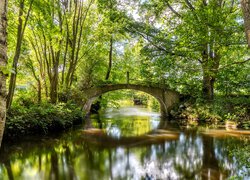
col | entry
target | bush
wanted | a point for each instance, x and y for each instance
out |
(221, 109)
(41, 119)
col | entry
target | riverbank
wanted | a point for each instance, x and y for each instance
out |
(45, 118)
(233, 109)
(41, 119)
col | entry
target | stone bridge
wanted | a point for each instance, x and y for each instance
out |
(166, 97)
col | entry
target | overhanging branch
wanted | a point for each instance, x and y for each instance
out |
(173, 10)
(238, 62)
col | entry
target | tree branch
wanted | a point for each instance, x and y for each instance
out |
(172, 9)
(238, 62)
(190, 5)
(27, 17)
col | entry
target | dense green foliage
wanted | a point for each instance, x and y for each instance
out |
(193, 48)
(120, 98)
(234, 109)
(59, 48)
(27, 118)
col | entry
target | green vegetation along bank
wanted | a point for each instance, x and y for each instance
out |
(232, 110)
(42, 119)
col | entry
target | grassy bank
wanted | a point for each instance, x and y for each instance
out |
(222, 109)
(41, 119)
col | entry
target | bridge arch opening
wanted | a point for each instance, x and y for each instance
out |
(166, 97)
(124, 98)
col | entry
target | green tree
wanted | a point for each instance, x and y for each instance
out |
(60, 39)
(195, 33)
(76, 15)
(112, 24)
(23, 17)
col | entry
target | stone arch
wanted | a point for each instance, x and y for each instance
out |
(166, 97)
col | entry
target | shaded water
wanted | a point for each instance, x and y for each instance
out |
(129, 143)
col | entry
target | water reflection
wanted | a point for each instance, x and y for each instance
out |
(124, 147)
(129, 121)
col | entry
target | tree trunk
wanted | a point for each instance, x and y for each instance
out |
(110, 58)
(39, 85)
(3, 64)
(54, 79)
(210, 64)
(43, 76)
(245, 5)
(108, 71)
(20, 33)
(208, 85)
(53, 89)
(16, 56)
(65, 56)
(39, 91)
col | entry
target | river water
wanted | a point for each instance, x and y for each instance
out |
(127, 143)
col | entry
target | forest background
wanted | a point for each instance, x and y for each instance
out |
(56, 48)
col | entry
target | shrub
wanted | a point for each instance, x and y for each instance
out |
(221, 109)
(41, 119)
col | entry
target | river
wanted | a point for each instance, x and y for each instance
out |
(126, 143)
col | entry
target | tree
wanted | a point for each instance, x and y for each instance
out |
(114, 21)
(194, 33)
(3, 63)
(22, 22)
(76, 16)
(245, 5)
(46, 39)
(59, 36)
(108, 10)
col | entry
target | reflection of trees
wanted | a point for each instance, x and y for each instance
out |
(171, 159)
(54, 171)
(183, 159)
(127, 126)
(9, 170)
(226, 150)
(69, 163)
(210, 162)
(110, 164)
(44, 160)
(176, 159)
(76, 155)
(95, 161)
(187, 158)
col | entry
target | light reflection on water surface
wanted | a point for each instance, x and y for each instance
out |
(129, 143)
